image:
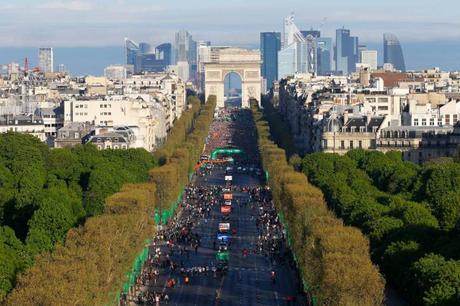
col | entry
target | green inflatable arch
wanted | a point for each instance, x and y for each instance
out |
(226, 151)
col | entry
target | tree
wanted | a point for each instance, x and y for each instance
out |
(397, 257)
(380, 227)
(106, 178)
(11, 258)
(59, 211)
(437, 280)
(64, 164)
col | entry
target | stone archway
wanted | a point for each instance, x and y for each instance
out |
(244, 62)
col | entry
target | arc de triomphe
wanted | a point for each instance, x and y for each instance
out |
(244, 62)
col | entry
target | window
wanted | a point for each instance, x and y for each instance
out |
(324, 143)
(454, 119)
(383, 107)
(383, 100)
(351, 144)
(447, 119)
(423, 121)
(432, 121)
(101, 106)
(416, 122)
(342, 144)
(360, 144)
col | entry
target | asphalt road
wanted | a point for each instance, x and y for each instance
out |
(248, 280)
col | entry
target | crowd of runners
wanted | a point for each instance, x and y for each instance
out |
(170, 266)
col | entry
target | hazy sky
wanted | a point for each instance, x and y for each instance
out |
(106, 22)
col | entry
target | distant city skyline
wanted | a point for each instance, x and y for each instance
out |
(61, 23)
(93, 60)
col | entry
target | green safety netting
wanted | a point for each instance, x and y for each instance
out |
(135, 270)
(166, 214)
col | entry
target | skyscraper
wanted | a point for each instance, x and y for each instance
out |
(131, 52)
(311, 54)
(46, 59)
(193, 60)
(369, 58)
(203, 56)
(182, 47)
(185, 52)
(346, 51)
(392, 52)
(163, 53)
(291, 33)
(295, 55)
(287, 61)
(270, 44)
(324, 51)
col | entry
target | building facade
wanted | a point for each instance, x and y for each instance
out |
(369, 58)
(46, 60)
(346, 52)
(325, 55)
(270, 44)
(392, 52)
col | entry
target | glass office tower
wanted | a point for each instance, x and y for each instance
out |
(131, 52)
(324, 51)
(287, 61)
(346, 52)
(392, 52)
(270, 44)
(163, 53)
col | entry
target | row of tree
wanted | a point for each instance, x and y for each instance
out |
(93, 259)
(409, 212)
(333, 258)
(182, 128)
(180, 158)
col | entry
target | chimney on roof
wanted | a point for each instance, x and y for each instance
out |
(345, 117)
(368, 119)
